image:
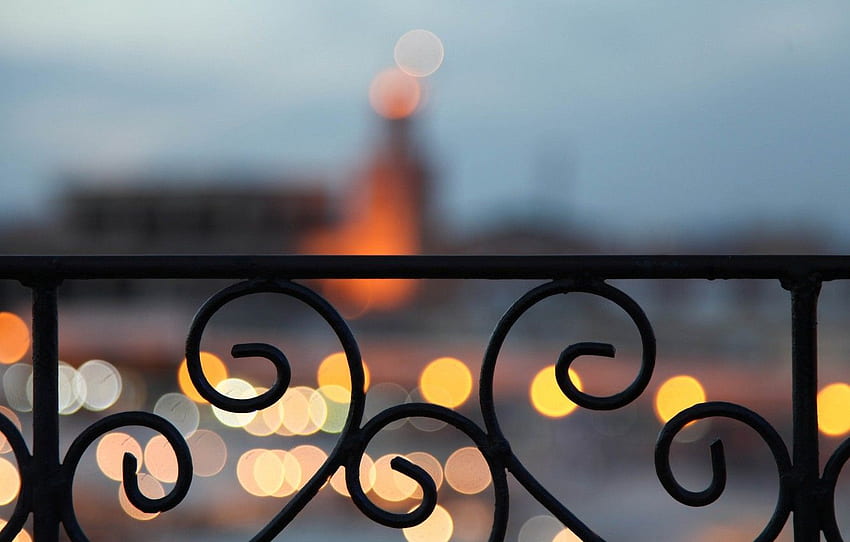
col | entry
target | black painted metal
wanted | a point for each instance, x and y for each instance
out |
(46, 483)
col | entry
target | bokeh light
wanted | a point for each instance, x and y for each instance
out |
(103, 384)
(446, 381)
(268, 420)
(268, 471)
(17, 385)
(14, 338)
(429, 464)
(150, 487)
(476, 516)
(438, 527)
(540, 529)
(110, 454)
(72, 389)
(394, 94)
(335, 413)
(5, 446)
(368, 474)
(160, 459)
(214, 369)
(676, 394)
(291, 469)
(834, 409)
(547, 397)
(209, 452)
(10, 481)
(467, 472)
(418, 53)
(390, 484)
(181, 411)
(382, 396)
(235, 388)
(22, 536)
(245, 472)
(333, 371)
(423, 423)
(566, 535)
(304, 411)
(310, 458)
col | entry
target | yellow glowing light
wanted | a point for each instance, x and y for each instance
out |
(304, 411)
(429, 464)
(418, 53)
(438, 527)
(214, 369)
(335, 413)
(10, 481)
(245, 472)
(209, 452)
(566, 535)
(160, 459)
(333, 371)
(291, 474)
(268, 472)
(14, 338)
(296, 412)
(834, 409)
(22, 536)
(368, 474)
(547, 398)
(390, 484)
(310, 459)
(395, 94)
(467, 471)
(446, 382)
(150, 487)
(5, 447)
(110, 454)
(268, 420)
(235, 388)
(676, 394)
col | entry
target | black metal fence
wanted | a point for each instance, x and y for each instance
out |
(806, 489)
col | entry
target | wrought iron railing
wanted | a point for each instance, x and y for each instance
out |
(46, 479)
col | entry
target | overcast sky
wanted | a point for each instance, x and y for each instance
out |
(633, 117)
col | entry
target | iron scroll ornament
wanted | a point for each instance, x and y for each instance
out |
(65, 479)
(354, 438)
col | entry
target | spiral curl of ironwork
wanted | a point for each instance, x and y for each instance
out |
(129, 465)
(24, 500)
(566, 358)
(492, 452)
(707, 496)
(282, 379)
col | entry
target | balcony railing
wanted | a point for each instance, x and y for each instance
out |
(806, 489)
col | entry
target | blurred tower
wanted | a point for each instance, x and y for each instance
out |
(386, 210)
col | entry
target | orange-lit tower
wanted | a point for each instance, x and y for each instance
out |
(386, 210)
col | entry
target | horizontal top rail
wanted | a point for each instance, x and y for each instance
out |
(28, 268)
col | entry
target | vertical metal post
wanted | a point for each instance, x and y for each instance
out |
(804, 301)
(45, 456)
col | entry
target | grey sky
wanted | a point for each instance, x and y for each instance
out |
(664, 116)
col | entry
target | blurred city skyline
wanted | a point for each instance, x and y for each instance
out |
(638, 121)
